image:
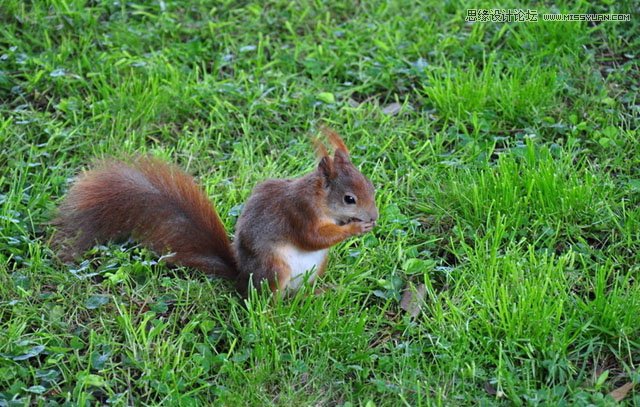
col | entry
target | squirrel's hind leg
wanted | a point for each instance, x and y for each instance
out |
(272, 269)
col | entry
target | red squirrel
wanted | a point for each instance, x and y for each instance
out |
(283, 234)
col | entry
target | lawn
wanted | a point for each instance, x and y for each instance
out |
(507, 166)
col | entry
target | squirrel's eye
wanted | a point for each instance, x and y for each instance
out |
(348, 199)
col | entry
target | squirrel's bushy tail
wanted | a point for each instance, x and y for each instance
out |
(157, 204)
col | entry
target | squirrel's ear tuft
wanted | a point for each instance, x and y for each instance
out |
(321, 150)
(335, 140)
(325, 166)
(341, 157)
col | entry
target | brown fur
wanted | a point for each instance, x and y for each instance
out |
(154, 202)
(334, 139)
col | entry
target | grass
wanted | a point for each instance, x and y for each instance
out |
(507, 167)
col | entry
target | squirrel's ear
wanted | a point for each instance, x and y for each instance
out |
(321, 150)
(325, 166)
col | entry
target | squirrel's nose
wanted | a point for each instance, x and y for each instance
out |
(373, 215)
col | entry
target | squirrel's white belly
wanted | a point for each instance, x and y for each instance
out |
(302, 264)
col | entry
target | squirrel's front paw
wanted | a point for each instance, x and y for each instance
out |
(359, 228)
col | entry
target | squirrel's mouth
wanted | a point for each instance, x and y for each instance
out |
(343, 222)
